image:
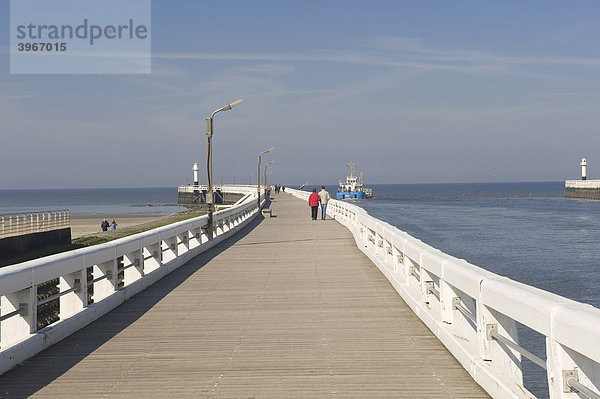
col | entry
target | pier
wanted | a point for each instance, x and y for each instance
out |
(290, 308)
(284, 307)
(584, 189)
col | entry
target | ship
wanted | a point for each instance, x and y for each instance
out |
(353, 187)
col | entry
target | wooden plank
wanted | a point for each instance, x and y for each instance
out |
(288, 308)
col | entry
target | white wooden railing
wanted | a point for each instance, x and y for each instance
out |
(474, 312)
(140, 260)
(18, 224)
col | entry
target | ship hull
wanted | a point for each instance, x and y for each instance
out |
(351, 195)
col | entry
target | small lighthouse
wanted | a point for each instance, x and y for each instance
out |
(196, 169)
(584, 188)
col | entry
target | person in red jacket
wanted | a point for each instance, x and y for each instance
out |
(313, 202)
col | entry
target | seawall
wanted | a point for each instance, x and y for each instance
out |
(11, 247)
(584, 189)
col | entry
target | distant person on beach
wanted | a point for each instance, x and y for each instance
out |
(324, 198)
(104, 225)
(313, 202)
(113, 225)
(283, 188)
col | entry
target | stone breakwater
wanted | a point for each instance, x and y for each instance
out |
(584, 189)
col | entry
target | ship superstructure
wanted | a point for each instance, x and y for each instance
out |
(353, 187)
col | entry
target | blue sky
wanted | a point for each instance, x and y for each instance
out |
(412, 91)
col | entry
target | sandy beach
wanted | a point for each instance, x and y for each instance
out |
(87, 224)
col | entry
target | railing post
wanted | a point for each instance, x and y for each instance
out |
(133, 262)
(447, 295)
(169, 249)
(17, 225)
(105, 287)
(184, 244)
(559, 361)
(396, 259)
(571, 322)
(388, 253)
(378, 244)
(505, 361)
(408, 268)
(151, 256)
(426, 282)
(73, 302)
(16, 328)
(195, 238)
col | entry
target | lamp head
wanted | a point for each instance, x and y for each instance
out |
(236, 103)
(233, 104)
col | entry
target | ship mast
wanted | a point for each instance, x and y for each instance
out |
(351, 164)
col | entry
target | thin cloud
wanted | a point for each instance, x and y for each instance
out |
(399, 52)
(569, 95)
(334, 57)
(415, 47)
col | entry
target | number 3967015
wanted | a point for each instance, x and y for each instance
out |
(59, 47)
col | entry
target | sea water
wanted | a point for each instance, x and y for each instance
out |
(94, 202)
(528, 232)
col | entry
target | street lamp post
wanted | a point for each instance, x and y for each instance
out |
(267, 169)
(258, 172)
(209, 133)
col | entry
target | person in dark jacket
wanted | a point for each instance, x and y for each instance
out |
(313, 202)
(104, 225)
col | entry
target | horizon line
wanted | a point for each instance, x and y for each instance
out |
(289, 185)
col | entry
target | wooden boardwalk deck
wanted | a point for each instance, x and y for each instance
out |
(289, 308)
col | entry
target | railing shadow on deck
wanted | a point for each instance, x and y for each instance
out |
(33, 374)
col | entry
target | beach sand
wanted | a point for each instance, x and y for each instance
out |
(84, 225)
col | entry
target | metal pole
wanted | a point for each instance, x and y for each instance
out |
(209, 188)
(258, 175)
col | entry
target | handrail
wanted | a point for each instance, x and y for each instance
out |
(493, 334)
(582, 184)
(579, 387)
(21, 223)
(465, 312)
(112, 272)
(240, 189)
(571, 329)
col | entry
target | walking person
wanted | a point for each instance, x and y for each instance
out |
(104, 225)
(113, 225)
(324, 197)
(313, 202)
